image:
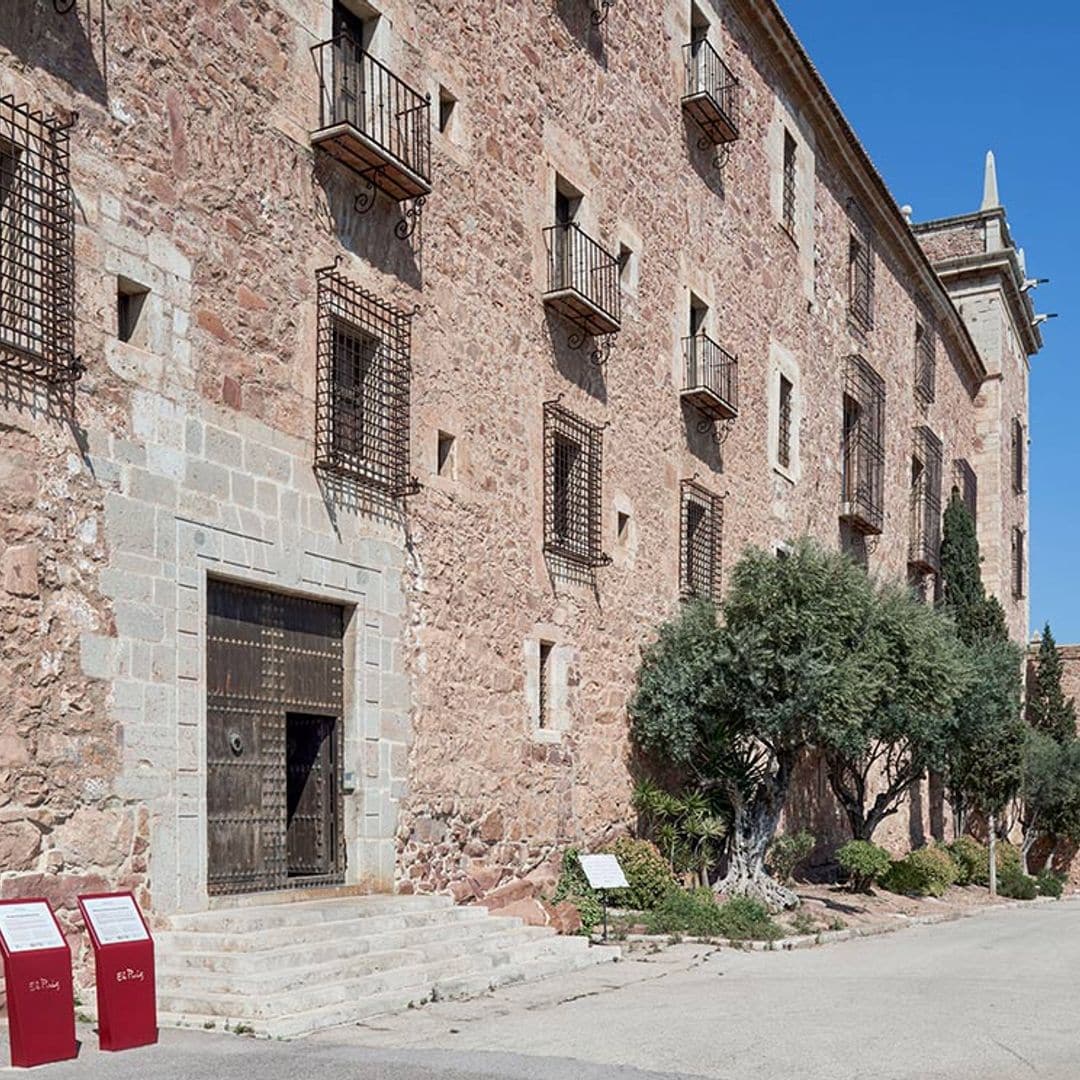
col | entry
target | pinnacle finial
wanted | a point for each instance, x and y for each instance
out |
(990, 200)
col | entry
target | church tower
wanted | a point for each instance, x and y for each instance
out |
(984, 272)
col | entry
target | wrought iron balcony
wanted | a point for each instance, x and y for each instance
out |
(862, 496)
(710, 378)
(924, 544)
(711, 96)
(371, 121)
(583, 280)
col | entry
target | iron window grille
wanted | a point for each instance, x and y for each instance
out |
(371, 120)
(925, 362)
(700, 542)
(860, 270)
(583, 279)
(1018, 448)
(863, 449)
(924, 545)
(789, 182)
(1019, 566)
(966, 485)
(573, 462)
(37, 246)
(362, 392)
(712, 93)
(710, 377)
(783, 432)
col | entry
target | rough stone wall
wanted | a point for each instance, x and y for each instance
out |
(490, 795)
(185, 453)
(194, 176)
(1070, 678)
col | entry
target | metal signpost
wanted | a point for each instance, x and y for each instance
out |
(603, 872)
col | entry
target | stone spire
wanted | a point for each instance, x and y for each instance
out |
(990, 191)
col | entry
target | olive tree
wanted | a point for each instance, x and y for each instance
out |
(907, 722)
(735, 705)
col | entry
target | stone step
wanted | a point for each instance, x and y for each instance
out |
(255, 938)
(304, 913)
(290, 1025)
(261, 1006)
(218, 953)
(270, 980)
(287, 968)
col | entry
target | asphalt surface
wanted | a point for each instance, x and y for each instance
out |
(995, 997)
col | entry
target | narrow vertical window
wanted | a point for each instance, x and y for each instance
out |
(861, 272)
(925, 363)
(447, 103)
(789, 183)
(783, 428)
(1019, 568)
(445, 464)
(863, 448)
(1018, 448)
(544, 685)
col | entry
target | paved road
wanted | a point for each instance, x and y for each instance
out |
(996, 997)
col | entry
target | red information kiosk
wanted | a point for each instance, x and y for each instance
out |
(124, 969)
(37, 979)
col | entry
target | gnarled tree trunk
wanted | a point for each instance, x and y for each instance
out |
(753, 826)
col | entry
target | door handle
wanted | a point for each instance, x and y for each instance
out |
(236, 744)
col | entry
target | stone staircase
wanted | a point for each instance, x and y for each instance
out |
(284, 966)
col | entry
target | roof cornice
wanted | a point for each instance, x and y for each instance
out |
(866, 182)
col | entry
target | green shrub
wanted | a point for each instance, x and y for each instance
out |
(802, 922)
(787, 851)
(697, 913)
(1050, 884)
(574, 886)
(929, 871)
(1017, 885)
(686, 912)
(646, 870)
(864, 863)
(972, 860)
(743, 919)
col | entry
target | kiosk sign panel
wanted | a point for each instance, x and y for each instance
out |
(124, 968)
(37, 978)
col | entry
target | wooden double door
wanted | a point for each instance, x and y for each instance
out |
(274, 713)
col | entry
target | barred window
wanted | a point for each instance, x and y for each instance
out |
(37, 246)
(924, 542)
(1019, 564)
(966, 485)
(925, 363)
(362, 394)
(863, 447)
(789, 182)
(702, 520)
(861, 270)
(783, 434)
(572, 487)
(1019, 445)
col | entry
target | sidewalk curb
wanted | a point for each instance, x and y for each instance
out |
(828, 937)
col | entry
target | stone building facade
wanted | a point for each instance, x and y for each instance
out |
(387, 357)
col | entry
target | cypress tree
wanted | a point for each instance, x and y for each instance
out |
(1048, 710)
(979, 618)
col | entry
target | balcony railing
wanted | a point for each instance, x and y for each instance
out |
(710, 378)
(924, 545)
(583, 280)
(372, 121)
(712, 92)
(862, 495)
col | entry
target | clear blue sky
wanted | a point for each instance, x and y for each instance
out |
(930, 86)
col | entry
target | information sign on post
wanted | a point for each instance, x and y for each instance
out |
(603, 872)
(124, 970)
(37, 978)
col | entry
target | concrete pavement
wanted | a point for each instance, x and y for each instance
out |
(995, 997)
